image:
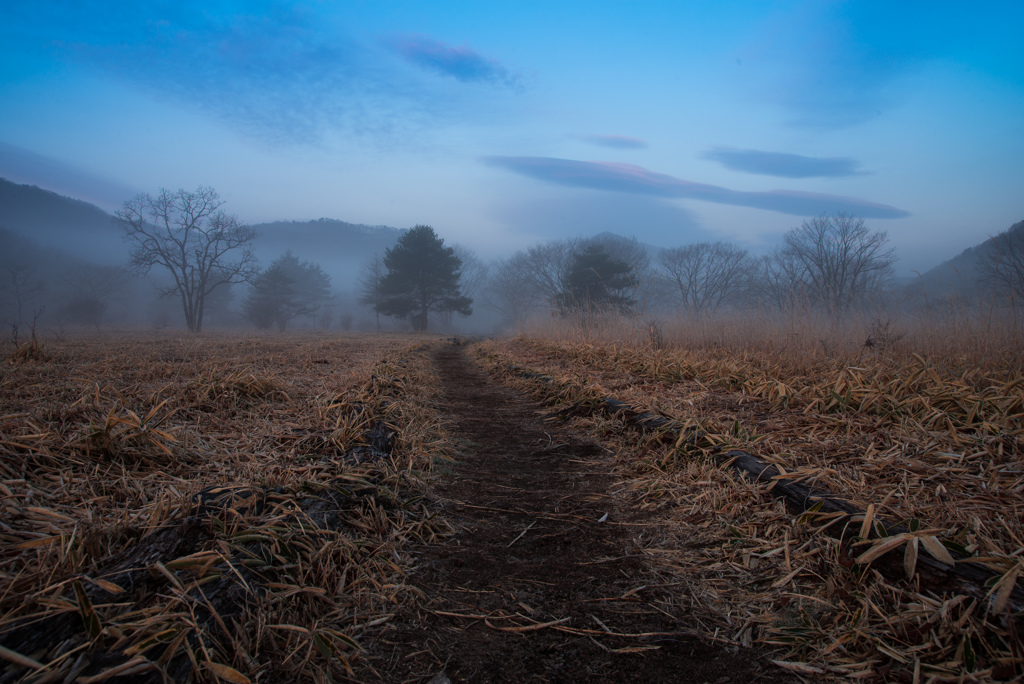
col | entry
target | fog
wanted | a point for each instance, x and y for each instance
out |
(331, 128)
(68, 266)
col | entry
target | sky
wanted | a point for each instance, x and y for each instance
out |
(502, 124)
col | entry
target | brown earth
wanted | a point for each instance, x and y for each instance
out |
(538, 585)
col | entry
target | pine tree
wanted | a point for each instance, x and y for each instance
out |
(286, 290)
(596, 280)
(422, 277)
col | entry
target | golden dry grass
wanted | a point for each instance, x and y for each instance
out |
(935, 444)
(106, 445)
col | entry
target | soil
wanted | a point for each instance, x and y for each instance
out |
(545, 580)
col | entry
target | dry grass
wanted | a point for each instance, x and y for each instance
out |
(979, 336)
(204, 505)
(935, 444)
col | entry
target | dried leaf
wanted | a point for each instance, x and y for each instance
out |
(226, 673)
(910, 557)
(1003, 589)
(939, 552)
(882, 547)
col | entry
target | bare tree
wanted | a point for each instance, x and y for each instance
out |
(707, 274)
(473, 274)
(544, 268)
(370, 294)
(1002, 264)
(89, 288)
(474, 271)
(21, 281)
(833, 261)
(186, 233)
(509, 291)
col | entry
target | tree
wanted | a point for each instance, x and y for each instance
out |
(1002, 264)
(370, 294)
(473, 271)
(186, 233)
(707, 274)
(545, 267)
(423, 276)
(629, 250)
(509, 291)
(89, 290)
(553, 274)
(833, 261)
(596, 280)
(473, 274)
(286, 290)
(21, 281)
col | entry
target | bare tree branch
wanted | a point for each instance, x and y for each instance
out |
(833, 261)
(706, 275)
(1002, 264)
(188, 236)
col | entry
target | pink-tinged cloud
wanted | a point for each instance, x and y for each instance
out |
(461, 63)
(623, 142)
(618, 177)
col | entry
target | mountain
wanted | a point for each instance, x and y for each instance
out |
(339, 247)
(959, 275)
(52, 220)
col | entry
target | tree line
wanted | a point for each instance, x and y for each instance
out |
(829, 263)
(833, 263)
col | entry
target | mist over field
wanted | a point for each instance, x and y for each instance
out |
(67, 264)
(695, 152)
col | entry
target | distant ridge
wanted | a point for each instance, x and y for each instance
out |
(53, 220)
(338, 246)
(958, 276)
(83, 229)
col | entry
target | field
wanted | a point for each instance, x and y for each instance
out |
(219, 483)
(251, 508)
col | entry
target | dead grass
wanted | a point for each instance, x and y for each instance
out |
(205, 505)
(935, 444)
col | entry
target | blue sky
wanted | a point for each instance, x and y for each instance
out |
(502, 124)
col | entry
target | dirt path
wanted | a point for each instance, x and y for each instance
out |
(567, 597)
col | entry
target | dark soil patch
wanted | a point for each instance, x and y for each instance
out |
(533, 555)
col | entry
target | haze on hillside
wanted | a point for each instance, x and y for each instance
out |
(331, 128)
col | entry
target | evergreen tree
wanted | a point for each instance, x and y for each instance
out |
(286, 290)
(422, 277)
(596, 280)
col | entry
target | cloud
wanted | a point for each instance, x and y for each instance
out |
(623, 142)
(638, 180)
(784, 165)
(461, 63)
(276, 71)
(277, 74)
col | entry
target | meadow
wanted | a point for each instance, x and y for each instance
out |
(206, 506)
(917, 423)
(244, 508)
